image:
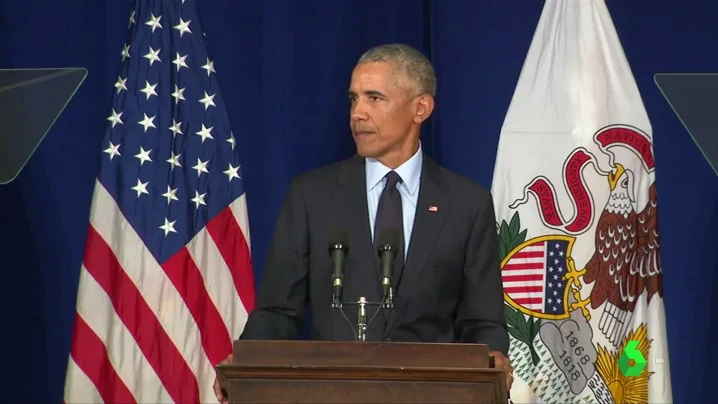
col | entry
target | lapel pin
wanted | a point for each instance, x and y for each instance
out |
(433, 208)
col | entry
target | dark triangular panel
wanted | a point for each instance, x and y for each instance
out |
(31, 100)
(694, 98)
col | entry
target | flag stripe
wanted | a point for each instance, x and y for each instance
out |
(239, 210)
(521, 295)
(157, 346)
(233, 247)
(524, 254)
(522, 278)
(186, 277)
(86, 392)
(529, 300)
(515, 290)
(524, 265)
(219, 282)
(90, 355)
(516, 272)
(125, 358)
(539, 246)
(524, 283)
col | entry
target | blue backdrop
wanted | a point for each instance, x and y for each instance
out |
(284, 67)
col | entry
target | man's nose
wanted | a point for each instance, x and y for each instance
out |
(358, 112)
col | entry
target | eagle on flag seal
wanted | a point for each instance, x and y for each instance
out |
(626, 260)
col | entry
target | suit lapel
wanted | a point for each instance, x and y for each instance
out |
(351, 205)
(431, 210)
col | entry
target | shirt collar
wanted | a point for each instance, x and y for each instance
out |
(410, 172)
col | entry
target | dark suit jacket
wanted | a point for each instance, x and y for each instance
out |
(449, 291)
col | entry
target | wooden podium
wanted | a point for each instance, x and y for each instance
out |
(361, 372)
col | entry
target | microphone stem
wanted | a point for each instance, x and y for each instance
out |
(388, 298)
(361, 320)
(337, 298)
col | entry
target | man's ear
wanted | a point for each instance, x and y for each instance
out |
(424, 108)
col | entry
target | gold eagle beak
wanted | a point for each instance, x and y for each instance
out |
(614, 176)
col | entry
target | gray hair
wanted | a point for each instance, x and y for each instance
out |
(410, 61)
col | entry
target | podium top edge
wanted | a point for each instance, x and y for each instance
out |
(354, 353)
(440, 345)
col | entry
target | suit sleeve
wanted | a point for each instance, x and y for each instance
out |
(480, 316)
(282, 294)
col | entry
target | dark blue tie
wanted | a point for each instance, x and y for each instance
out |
(388, 215)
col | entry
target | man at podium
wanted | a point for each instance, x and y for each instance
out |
(395, 221)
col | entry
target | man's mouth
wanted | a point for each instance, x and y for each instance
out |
(363, 132)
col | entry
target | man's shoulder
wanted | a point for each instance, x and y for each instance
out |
(470, 200)
(325, 174)
(462, 184)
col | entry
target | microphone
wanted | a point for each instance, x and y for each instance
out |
(338, 249)
(389, 240)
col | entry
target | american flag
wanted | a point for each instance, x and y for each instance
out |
(533, 276)
(166, 281)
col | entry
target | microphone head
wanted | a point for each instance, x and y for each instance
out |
(339, 240)
(389, 239)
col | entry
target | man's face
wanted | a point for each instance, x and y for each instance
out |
(382, 110)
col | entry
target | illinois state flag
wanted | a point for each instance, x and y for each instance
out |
(166, 280)
(574, 185)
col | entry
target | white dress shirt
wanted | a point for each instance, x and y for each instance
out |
(410, 173)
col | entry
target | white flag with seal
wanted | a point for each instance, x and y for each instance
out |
(577, 219)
